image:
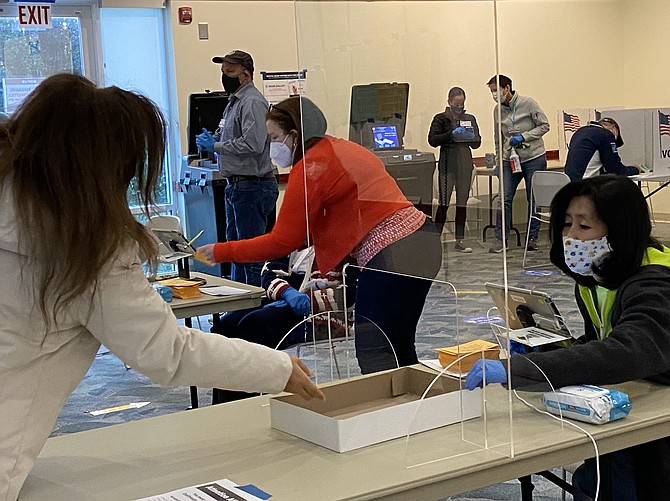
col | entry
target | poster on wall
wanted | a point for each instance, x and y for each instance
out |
(15, 91)
(279, 85)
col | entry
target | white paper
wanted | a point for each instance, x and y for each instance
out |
(437, 366)
(219, 489)
(223, 290)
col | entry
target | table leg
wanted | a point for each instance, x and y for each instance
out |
(193, 389)
(526, 488)
(491, 222)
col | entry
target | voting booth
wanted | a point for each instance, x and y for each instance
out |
(378, 116)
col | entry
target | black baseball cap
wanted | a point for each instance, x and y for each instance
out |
(611, 121)
(236, 57)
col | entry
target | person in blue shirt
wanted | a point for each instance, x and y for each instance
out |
(243, 148)
(593, 151)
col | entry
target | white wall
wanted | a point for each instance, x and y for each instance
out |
(265, 29)
(563, 53)
(558, 52)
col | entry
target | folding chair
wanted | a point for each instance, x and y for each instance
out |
(544, 185)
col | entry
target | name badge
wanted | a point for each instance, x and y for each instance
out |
(514, 129)
(466, 123)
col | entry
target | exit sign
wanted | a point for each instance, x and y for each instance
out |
(34, 15)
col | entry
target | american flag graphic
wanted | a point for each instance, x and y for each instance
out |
(570, 122)
(663, 124)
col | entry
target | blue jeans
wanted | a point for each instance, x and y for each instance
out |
(511, 184)
(617, 467)
(248, 204)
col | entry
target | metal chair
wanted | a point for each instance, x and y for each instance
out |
(544, 185)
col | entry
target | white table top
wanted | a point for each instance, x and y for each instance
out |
(650, 176)
(208, 305)
(235, 441)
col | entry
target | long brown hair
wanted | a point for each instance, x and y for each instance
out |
(69, 153)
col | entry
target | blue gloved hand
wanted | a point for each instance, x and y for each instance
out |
(277, 304)
(495, 373)
(516, 140)
(299, 302)
(205, 141)
(458, 131)
(468, 135)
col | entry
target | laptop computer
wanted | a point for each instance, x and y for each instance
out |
(532, 316)
(385, 137)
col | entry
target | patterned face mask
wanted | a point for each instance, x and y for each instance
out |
(581, 255)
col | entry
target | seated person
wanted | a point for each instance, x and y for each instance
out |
(623, 293)
(593, 151)
(292, 293)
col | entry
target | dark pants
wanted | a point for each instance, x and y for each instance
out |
(617, 467)
(512, 182)
(388, 305)
(459, 176)
(266, 326)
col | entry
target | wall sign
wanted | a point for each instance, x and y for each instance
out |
(34, 15)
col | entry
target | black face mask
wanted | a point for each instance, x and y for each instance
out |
(230, 84)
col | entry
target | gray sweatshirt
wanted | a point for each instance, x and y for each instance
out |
(526, 115)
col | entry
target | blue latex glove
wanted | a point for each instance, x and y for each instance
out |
(495, 373)
(205, 141)
(458, 131)
(277, 304)
(299, 302)
(468, 135)
(516, 140)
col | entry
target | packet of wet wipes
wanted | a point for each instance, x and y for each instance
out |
(587, 403)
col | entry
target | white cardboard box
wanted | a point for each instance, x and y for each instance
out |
(374, 408)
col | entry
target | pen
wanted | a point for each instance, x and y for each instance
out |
(190, 242)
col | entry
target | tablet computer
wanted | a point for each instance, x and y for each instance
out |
(532, 316)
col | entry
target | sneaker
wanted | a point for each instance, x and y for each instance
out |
(497, 247)
(532, 245)
(460, 246)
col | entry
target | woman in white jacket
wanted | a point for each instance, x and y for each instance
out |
(70, 275)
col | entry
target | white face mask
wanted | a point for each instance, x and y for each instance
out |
(281, 154)
(581, 255)
(498, 97)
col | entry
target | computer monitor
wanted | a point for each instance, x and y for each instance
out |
(385, 137)
(205, 111)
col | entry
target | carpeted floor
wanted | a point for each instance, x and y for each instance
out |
(445, 322)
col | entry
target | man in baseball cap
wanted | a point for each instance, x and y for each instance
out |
(243, 149)
(236, 57)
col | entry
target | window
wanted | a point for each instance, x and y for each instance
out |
(28, 56)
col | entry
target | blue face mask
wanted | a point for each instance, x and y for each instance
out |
(281, 154)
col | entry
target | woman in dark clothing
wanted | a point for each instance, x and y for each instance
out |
(457, 134)
(601, 237)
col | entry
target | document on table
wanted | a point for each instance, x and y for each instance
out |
(211, 491)
(223, 290)
(436, 366)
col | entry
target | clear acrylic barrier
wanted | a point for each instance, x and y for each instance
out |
(431, 47)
